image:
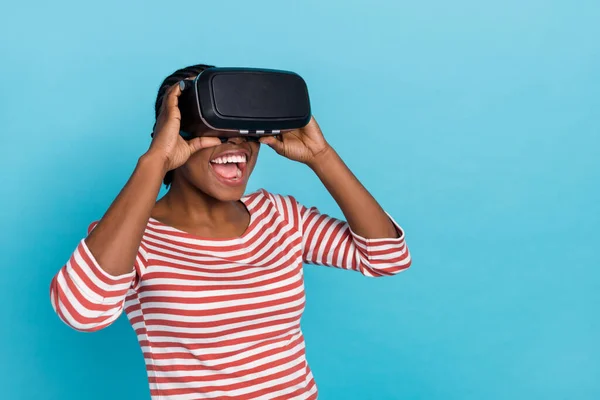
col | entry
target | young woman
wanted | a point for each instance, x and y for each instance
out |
(211, 279)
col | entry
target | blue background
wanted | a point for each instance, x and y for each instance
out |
(474, 123)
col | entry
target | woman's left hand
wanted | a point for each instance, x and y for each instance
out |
(306, 145)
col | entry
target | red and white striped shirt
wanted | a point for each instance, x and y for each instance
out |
(220, 318)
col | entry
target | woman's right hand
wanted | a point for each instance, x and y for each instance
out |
(167, 143)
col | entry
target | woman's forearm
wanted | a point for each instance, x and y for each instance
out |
(114, 242)
(362, 212)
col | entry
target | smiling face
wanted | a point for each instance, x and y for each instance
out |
(222, 171)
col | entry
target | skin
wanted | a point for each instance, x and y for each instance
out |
(199, 203)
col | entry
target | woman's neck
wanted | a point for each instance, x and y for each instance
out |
(190, 209)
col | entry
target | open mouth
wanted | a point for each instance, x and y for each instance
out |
(230, 167)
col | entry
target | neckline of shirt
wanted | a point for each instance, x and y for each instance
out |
(158, 227)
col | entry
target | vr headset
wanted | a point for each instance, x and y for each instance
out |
(250, 102)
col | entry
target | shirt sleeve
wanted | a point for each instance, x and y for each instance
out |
(328, 241)
(85, 296)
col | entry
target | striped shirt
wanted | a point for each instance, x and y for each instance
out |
(220, 318)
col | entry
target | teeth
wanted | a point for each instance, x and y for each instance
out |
(239, 173)
(230, 159)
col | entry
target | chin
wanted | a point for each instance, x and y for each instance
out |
(226, 194)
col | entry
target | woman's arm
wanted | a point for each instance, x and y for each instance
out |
(89, 290)
(370, 241)
(363, 213)
(331, 242)
(115, 240)
(307, 145)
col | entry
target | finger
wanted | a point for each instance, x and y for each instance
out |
(170, 98)
(173, 95)
(274, 143)
(203, 142)
(174, 89)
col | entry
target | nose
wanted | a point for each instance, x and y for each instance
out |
(235, 139)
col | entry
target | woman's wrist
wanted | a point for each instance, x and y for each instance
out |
(154, 161)
(322, 159)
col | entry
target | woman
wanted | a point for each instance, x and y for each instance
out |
(211, 279)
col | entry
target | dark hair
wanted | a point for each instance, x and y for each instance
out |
(169, 81)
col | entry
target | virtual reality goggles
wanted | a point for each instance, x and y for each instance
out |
(250, 102)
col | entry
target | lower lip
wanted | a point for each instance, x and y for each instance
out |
(231, 182)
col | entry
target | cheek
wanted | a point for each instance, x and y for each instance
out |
(255, 147)
(196, 168)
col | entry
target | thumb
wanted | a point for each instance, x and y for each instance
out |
(273, 143)
(203, 142)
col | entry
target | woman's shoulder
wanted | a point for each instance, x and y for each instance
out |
(284, 204)
(275, 198)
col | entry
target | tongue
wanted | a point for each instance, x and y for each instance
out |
(227, 171)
